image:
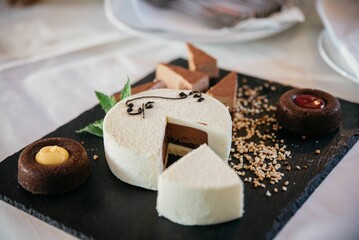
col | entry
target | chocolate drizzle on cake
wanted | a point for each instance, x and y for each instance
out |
(148, 105)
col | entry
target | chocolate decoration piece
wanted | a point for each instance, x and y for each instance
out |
(42, 179)
(156, 84)
(201, 61)
(309, 120)
(225, 91)
(177, 77)
(182, 95)
(149, 105)
(143, 110)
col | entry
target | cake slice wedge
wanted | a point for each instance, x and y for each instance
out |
(225, 91)
(200, 189)
(200, 61)
(176, 77)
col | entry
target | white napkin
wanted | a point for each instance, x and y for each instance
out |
(170, 20)
(341, 20)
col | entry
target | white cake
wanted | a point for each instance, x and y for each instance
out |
(134, 144)
(200, 189)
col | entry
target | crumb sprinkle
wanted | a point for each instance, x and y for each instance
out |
(95, 157)
(256, 148)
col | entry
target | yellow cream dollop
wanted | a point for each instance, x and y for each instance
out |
(52, 155)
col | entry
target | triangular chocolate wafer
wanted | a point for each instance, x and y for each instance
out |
(201, 61)
(177, 77)
(226, 90)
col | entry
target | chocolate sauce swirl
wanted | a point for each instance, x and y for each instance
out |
(149, 104)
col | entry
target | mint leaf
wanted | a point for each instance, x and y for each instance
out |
(126, 91)
(94, 128)
(106, 102)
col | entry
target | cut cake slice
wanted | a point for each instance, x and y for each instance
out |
(201, 61)
(200, 189)
(177, 77)
(226, 90)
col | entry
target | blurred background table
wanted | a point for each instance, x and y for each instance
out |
(44, 85)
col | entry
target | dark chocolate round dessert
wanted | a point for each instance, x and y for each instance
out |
(308, 111)
(54, 178)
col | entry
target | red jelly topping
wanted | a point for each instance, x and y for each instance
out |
(309, 101)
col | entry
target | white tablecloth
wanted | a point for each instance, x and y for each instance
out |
(36, 97)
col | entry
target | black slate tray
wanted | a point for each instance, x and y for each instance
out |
(106, 208)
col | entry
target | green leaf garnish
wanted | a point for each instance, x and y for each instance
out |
(106, 102)
(126, 91)
(94, 128)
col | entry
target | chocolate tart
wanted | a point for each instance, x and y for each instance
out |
(42, 179)
(308, 111)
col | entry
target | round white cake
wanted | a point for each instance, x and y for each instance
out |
(136, 142)
(200, 189)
